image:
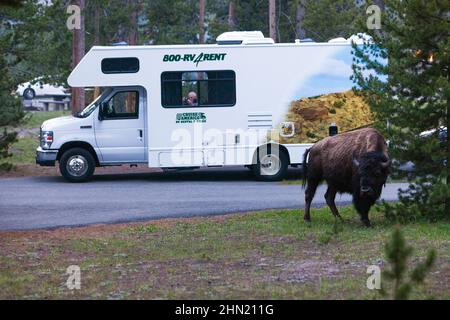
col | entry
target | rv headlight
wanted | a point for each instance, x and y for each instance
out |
(46, 139)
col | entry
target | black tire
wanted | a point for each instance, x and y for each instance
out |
(77, 159)
(29, 94)
(265, 174)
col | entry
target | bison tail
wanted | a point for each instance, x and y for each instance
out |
(305, 167)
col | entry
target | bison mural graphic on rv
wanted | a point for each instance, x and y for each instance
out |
(354, 162)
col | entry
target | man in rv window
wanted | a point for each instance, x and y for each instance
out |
(191, 99)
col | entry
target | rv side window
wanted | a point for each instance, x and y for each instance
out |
(120, 65)
(122, 105)
(198, 89)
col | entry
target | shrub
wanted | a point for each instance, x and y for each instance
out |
(310, 134)
(6, 139)
(423, 200)
(397, 255)
(338, 104)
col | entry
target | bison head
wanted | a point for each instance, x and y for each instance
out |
(372, 172)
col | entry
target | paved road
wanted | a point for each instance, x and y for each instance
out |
(48, 202)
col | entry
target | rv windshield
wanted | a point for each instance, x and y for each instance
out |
(90, 108)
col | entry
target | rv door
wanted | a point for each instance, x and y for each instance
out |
(120, 127)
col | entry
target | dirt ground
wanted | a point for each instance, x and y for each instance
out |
(261, 255)
(34, 170)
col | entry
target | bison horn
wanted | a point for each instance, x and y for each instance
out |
(355, 161)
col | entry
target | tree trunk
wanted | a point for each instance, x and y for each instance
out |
(201, 36)
(78, 49)
(282, 8)
(97, 24)
(96, 38)
(132, 41)
(232, 15)
(272, 20)
(132, 36)
(299, 18)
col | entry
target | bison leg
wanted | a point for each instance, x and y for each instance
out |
(365, 218)
(363, 208)
(330, 195)
(309, 195)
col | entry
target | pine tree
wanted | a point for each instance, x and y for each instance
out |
(397, 255)
(327, 19)
(10, 106)
(172, 21)
(411, 94)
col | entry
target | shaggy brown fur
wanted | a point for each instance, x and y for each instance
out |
(354, 162)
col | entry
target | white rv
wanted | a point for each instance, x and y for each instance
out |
(189, 106)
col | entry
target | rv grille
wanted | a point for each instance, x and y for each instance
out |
(259, 120)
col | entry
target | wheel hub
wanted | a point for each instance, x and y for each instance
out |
(77, 165)
(270, 165)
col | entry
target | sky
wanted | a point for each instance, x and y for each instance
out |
(333, 78)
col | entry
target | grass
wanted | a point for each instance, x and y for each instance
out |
(24, 150)
(35, 119)
(260, 255)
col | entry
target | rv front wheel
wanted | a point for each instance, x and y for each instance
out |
(271, 166)
(77, 165)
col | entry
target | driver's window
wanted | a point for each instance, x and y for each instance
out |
(123, 105)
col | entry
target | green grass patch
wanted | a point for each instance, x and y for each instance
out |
(24, 150)
(259, 255)
(34, 119)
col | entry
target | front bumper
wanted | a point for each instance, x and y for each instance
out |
(46, 157)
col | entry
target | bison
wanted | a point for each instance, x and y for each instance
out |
(354, 162)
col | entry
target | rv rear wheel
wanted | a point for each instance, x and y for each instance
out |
(77, 165)
(271, 166)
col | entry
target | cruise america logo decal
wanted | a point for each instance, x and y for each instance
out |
(195, 58)
(191, 117)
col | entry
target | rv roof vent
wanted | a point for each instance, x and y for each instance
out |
(259, 41)
(243, 37)
(338, 40)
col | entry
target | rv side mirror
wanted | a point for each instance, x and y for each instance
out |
(102, 110)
